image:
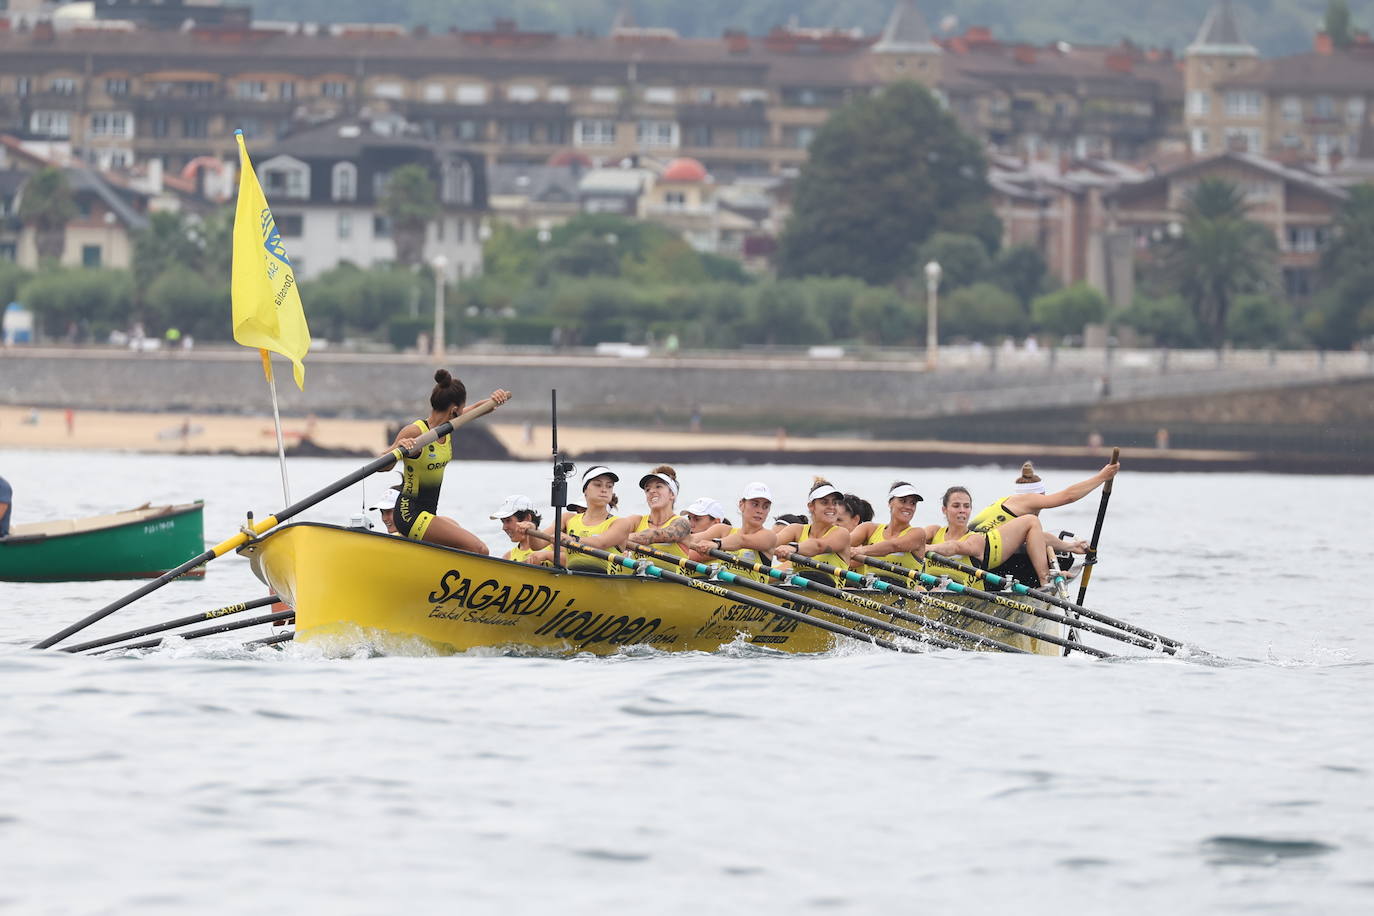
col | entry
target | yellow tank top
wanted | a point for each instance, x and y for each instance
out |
(519, 554)
(905, 558)
(423, 477)
(750, 555)
(672, 550)
(577, 527)
(993, 516)
(935, 568)
(834, 559)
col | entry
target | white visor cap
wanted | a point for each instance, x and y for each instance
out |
(672, 484)
(757, 490)
(904, 489)
(596, 471)
(385, 500)
(706, 506)
(820, 491)
(512, 505)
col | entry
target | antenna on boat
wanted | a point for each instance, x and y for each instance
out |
(561, 469)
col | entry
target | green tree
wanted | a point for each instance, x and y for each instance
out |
(169, 241)
(46, 205)
(1166, 319)
(962, 259)
(1065, 312)
(1260, 321)
(1021, 271)
(1219, 254)
(12, 279)
(1336, 23)
(182, 298)
(410, 202)
(883, 317)
(1343, 312)
(583, 256)
(980, 311)
(60, 297)
(884, 173)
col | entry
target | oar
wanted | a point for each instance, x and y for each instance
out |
(922, 597)
(702, 585)
(1091, 559)
(271, 521)
(997, 581)
(270, 640)
(172, 624)
(208, 631)
(959, 588)
(862, 601)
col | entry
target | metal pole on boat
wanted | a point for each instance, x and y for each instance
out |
(276, 419)
(558, 496)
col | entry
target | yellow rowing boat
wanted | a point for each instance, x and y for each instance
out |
(350, 586)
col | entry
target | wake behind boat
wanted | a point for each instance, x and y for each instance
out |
(140, 543)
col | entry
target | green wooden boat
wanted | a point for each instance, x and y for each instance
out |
(140, 543)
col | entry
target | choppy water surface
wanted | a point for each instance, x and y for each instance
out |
(205, 778)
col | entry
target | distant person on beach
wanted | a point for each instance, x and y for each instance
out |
(6, 499)
(417, 507)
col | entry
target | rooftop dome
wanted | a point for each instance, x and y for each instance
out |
(684, 169)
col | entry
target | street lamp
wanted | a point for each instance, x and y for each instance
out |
(932, 315)
(440, 264)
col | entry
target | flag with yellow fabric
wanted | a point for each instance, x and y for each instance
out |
(266, 303)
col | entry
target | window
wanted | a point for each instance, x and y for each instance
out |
(388, 89)
(116, 87)
(250, 89)
(344, 184)
(556, 133)
(699, 135)
(748, 96)
(1199, 102)
(50, 123)
(461, 227)
(381, 226)
(90, 255)
(704, 96)
(21, 86)
(455, 181)
(290, 225)
(518, 132)
(111, 124)
(468, 130)
(63, 85)
(472, 95)
(1244, 139)
(1243, 104)
(286, 91)
(803, 136)
(334, 89)
(435, 92)
(1354, 110)
(197, 126)
(595, 133)
(657, 134)
(197, 89)
(560, 94)
(288, 181)
(1291, 108)
(522, 92)
(379, 183)
(1198, 139)
(749, 137)
(660, 95)
(806, 97)
(159, 126)
(1326, 144)
(345, 225)
(675, 200)
(605, 93)
(1291, 141)
(1324, 107)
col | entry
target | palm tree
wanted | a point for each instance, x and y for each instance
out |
(46, 204)
(1220, 254)
(410, 201)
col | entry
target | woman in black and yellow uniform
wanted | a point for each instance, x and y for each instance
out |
(416, 516)
(896, 540)
(513, 511)
(662, 527)
(596, 526)
(955, 505)
(751, 541)
(822, 538)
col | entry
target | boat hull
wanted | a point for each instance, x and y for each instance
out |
(351, 587)
(136, 544)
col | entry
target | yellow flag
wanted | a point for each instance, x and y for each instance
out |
(267, 304)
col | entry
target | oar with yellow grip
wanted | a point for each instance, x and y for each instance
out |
(264, 525)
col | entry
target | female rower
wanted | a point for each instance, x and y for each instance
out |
(822, 538)
(955, 505)
(597, 526)
(896, 540)
(515, 510)
(703, 514)
(662, 527)
(416, 515)
(751, 541)
(854, 511)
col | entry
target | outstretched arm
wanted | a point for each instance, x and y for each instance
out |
(499, 396)
(1021, 503)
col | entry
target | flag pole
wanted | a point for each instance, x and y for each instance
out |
(276, 419)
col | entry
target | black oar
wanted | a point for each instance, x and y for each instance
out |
(712, 588)
(173, 624)
(997, 581)
(271, 640)
(238, 540)
(862, 601)
(925, 598)
(1091, 559)
(208, 631)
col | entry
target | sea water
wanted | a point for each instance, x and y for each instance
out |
(203, 777)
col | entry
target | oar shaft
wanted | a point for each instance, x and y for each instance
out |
(208, 631)
(173, 624)
(262, 526)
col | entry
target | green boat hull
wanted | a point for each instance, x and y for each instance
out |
(137, 544)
